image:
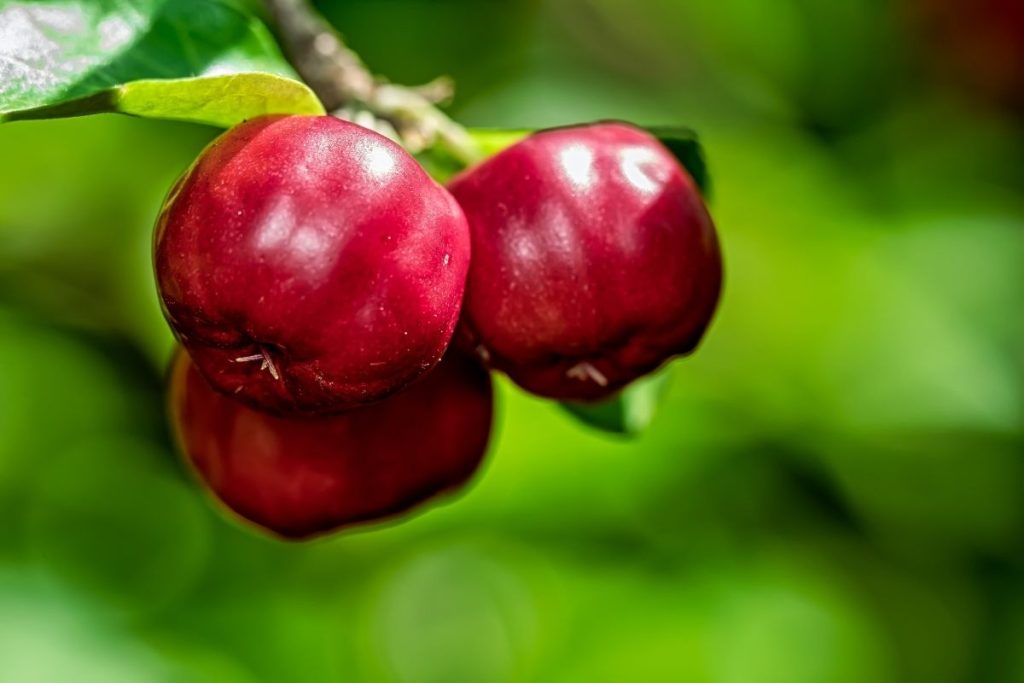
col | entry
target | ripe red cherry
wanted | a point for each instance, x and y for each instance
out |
(310, 265)
(594, 260)
(300, 477)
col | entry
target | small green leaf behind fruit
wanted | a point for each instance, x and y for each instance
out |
(205, 61)
(493, 140)
(628, 413)
(685, 146)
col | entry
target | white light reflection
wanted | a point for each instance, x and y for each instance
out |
(280, 229)
(578, 166)
(639, 166)
(275, 225)
(114, 33)
(379, 161)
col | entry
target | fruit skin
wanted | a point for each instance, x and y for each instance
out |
(310, 265)
(302, 477)
(594, 260)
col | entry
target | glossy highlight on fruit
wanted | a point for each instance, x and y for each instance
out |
(594, 260)
(302, 477)
(310, 265)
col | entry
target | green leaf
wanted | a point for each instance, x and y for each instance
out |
(213, 100)
(629, 412)
(192, 60)
(493, 140)
(441, 165)
(684, 145)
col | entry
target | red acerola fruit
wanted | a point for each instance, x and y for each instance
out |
(299, 477)
(310, 265)
(594, 260)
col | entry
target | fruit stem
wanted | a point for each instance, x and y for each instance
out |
(348, 90)
(266, 362)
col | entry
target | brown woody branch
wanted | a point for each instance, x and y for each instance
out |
(348, 90)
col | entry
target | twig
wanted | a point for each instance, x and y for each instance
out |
(348, 90)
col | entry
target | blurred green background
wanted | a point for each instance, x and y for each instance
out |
(832, 492)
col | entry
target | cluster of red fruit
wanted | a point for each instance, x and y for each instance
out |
(316, 277)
